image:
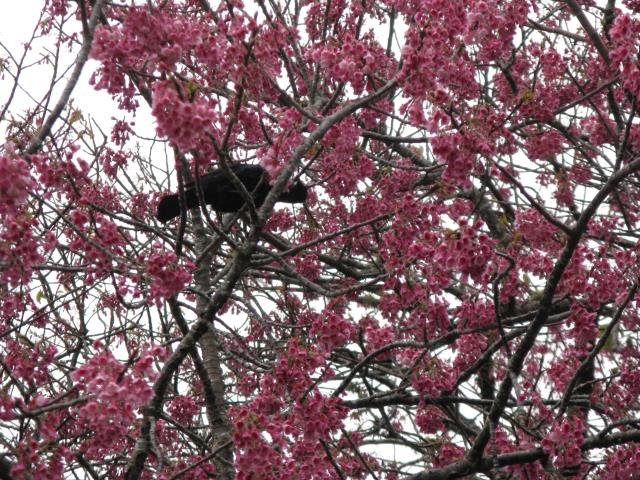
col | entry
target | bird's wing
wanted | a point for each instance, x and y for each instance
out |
(250, 175)
(213, 177)
(216, 180)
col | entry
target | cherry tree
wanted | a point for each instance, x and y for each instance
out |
(457, 298)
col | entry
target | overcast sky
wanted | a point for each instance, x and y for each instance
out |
(17, 21)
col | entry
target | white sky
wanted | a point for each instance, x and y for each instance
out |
(17, 22)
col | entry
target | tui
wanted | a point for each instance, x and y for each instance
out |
(219, 192)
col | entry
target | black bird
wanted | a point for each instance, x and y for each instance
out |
(219, 192)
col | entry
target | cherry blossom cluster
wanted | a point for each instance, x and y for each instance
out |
(184, 123)
(20, 249)
(433, 378)
(99, 241)
(331, 330)
(114, 393)
(622, 463)
(30, 363)
(166, 276)
(342, 159)
(15, 183)
(273, 441)
(502, 443)
(156, 40)
(111, 160)
(563, 442)
(33, 464)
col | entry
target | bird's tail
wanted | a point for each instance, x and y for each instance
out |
(168, 208)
